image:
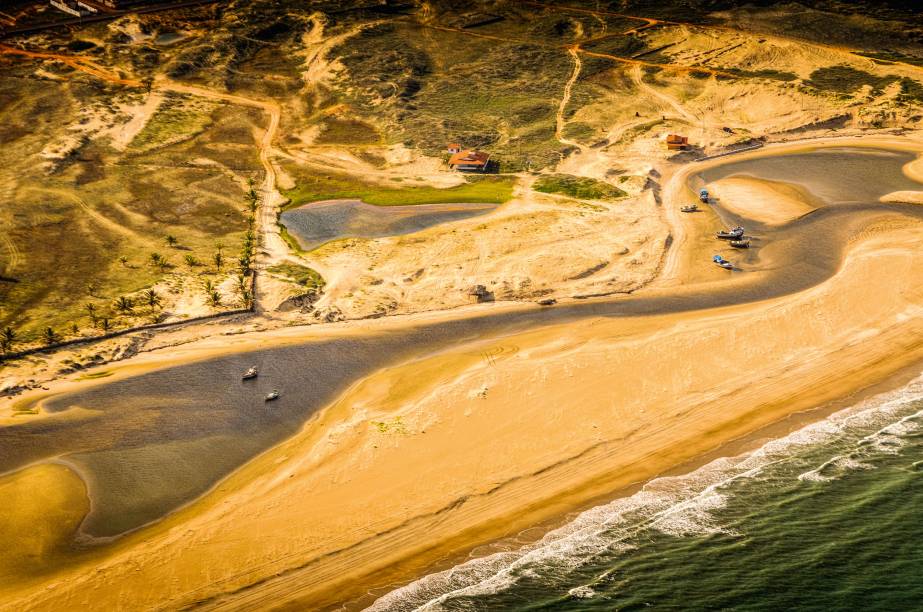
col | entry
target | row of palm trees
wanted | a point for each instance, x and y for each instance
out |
(127, 305)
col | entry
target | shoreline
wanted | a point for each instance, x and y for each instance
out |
(746, 443)
(262, 466)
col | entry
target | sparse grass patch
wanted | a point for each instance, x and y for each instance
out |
(578, 187)
(579, 131)
(846, 80)
(348, 131)
(179, 117)
(301, 275)
(911, 91)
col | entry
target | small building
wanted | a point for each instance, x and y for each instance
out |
(470, 161)
(73, 7)
(454, 148)
(675, 142)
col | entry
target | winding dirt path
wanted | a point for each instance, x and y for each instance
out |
(560, 121)
(83, 64)
(273, 247)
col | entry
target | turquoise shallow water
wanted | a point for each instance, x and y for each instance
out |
(827, 518)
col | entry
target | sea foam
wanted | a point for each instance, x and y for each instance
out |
(679, 506)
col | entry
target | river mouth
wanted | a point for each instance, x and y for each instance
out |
(317, 223)
(149, 444)
(834, 175)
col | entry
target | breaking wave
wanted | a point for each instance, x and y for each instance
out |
(680, 506)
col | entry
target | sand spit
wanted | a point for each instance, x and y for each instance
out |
(906, 197)
(769, 202)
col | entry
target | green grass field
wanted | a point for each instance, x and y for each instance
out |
(301, 275)
(486, 189)
(580, 188)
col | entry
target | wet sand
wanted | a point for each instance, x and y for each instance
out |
(176, 438)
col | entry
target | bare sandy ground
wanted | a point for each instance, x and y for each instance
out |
(535, 246)
(765, 201)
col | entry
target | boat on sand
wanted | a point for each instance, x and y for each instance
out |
(251, 373)
(734, 234)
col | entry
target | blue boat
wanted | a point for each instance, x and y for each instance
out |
(703, 195)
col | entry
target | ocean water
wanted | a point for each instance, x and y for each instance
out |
(829, 517)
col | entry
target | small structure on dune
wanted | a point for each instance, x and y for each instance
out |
(73, 7)
(470, 161)
(675, 142)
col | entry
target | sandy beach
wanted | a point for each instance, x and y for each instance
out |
(486, 438)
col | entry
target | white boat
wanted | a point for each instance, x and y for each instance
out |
(272, 395)
(721, 261)
(251, 373)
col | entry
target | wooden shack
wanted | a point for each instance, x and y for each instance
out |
(675, 142)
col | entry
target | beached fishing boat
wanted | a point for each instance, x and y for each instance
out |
(740, 244)
(251, 373)
(721, 261)
(272, 395)
(735, 234)
(689, 208)
(703, 195)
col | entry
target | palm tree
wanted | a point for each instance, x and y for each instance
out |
(49, 336)
(156, 259)
(74, 329)
(215, 298)
(104, 324)
(124, 261)
(209, 287)
(91, 289)
(152, 298)
(91, 310)
(124, 304)
(219, 246)
(191, 261)
(171, 240)
(7, 337)
(247, 298)
(218, 259)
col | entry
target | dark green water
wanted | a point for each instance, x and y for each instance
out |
(827, 518)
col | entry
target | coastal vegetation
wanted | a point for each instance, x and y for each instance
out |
(313, 188)
(578, 187)
(300, 275)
